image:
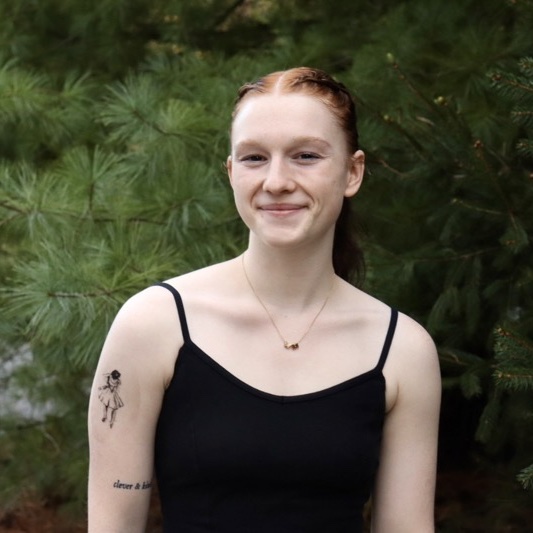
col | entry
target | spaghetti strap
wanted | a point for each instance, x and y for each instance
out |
(388, 339)
(181, 310)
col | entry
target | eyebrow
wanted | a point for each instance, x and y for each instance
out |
(247, 143)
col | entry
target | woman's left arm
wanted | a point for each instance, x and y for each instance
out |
(404, 495)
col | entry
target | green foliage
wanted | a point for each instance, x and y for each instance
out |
(113, 135)
(48, 438)
(519, 89)
(526, 477)
(514, 361)
(455, 235)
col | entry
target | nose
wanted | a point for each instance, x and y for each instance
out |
(278, 178)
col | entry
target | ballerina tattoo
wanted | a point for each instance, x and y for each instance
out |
(109, 396)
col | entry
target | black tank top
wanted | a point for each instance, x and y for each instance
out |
(230, 458)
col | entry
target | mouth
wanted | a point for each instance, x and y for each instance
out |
(281, 208)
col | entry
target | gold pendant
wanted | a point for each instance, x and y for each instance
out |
(291, 345)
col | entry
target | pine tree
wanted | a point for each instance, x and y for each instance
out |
(106, 188)
(113, 133)
(451, 239)
(513, 343)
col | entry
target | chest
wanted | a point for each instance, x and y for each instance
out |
(246, 344)
(215, 428)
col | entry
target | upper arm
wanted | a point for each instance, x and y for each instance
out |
(141, 346)
(403, 500)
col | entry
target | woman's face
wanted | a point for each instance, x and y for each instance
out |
(290, 168)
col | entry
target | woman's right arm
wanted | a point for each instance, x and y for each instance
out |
(141, 346)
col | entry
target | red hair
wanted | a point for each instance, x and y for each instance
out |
(315, 83)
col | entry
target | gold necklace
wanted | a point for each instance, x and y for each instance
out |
(286, 344)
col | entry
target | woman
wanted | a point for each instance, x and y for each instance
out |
(271, 394)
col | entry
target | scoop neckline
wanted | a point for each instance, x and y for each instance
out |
(327, 391)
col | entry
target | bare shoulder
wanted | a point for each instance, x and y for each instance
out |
(151, 318)
(412, 339)
(153, 311)
(208, 285)
(147, 314)
(145, 335)
(413, 365)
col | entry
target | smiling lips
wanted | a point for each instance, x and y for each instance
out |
(280, 209)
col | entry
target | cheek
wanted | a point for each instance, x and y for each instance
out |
(243, 210)
(241, 187)
(334, 198)
(241, 197)
(338, 206)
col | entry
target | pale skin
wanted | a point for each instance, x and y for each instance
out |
(288, 186)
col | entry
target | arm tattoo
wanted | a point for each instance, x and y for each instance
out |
(108, 395)
(145, 485)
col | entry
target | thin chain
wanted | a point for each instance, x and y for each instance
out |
(286, 344)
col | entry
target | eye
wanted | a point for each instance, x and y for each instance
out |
(252, 158)
(307, 157)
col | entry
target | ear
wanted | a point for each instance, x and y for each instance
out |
(355, 173)
(229, 168)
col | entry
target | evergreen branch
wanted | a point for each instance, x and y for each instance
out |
(526, 63)
(12, 207)
(490, 417)
(467, 205)
(499, 374)
(31, 90)
(514, 83)
(50, 439)
(7, 220)
(41, 425)
(8, 251)
(73, 214)
(92, 190)
(480, 151)
(103, 219)
(431, 104)
(517, 340)
(455, 257)
(85, 216)
(525, 147)
(127, 220)
(514, 381)
(411, 138)
(153, 125)
(392, 123)
(403, 77)
(526, 477)
(227, 13)
(60, 294)
(470, 384)
(95, 294)
(522, 113)
(384, 164)
(458, 357)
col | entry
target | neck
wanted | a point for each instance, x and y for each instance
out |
(291, 280)
(294, 344)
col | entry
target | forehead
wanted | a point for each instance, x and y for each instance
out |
(291, 115)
